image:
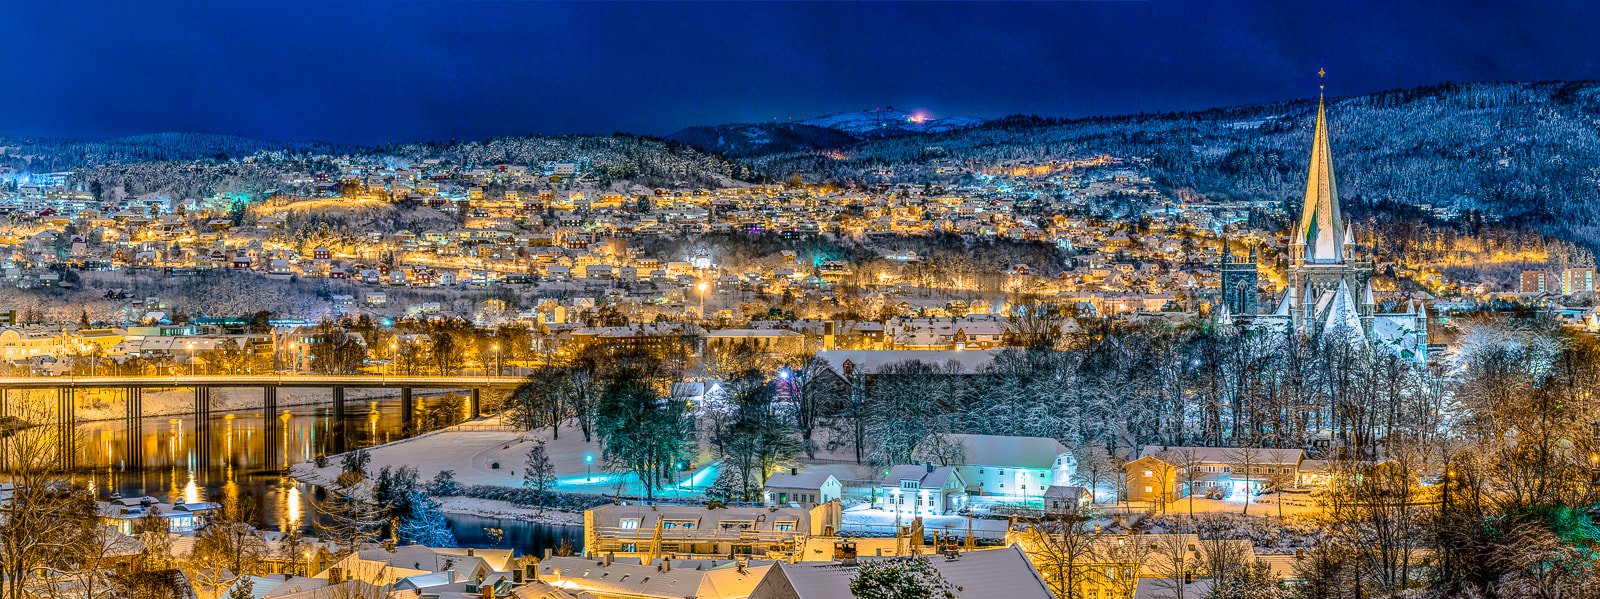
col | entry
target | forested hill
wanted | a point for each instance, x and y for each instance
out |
(46, 155)
(648, 160)
(1529, 152)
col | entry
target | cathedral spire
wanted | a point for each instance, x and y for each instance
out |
(1321, 228)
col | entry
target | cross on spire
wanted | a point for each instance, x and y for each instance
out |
(1321, 74)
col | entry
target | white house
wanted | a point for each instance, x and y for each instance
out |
(922, 490)
(1006, 468)
(804, 490)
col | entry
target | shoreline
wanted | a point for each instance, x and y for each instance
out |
(306, 473)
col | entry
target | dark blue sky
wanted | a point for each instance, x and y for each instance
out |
(370, 72)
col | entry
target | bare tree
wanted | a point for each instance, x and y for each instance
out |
(44, 524)
(1095, 468)
(1189, 464)
(1175, 566)
(1245, 461)
(1062, 546)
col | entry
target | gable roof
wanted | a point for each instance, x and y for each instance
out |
(807, 480)
(1037, 453)
(926, 479)
(1003, 572)
(1227, 455)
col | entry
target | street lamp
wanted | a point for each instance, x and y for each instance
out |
(587, 461)
(703, 288)
(191, 358)
(496, 349)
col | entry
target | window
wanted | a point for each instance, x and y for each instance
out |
(630, 523)
(629, 547)
(909, 484)
(1149, 490)
(1002, 473)
(1002, 485)
(1148, 474)
(785, 526)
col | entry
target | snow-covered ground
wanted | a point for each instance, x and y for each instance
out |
(1264, 505)
(500, 509)
(485, 452)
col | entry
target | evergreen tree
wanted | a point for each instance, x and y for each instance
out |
(913, 578)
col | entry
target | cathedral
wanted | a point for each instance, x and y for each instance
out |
(1329, 290)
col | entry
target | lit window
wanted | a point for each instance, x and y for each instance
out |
(1149, 490)
(630, 523)
(1148, 473)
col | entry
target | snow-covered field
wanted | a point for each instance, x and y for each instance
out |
(485, 452)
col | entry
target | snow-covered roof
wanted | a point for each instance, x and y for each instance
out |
(927, 478)
(1003, 572)
(1017, 452)
(636, 580)
(1229, 455)
(808, 480)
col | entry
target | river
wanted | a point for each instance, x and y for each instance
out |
(235, 468)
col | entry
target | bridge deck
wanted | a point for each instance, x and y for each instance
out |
(422, 382)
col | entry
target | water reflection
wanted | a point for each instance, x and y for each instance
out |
(236, 459)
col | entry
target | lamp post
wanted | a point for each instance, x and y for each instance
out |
(191, 358)
(588, 460)
(496, 349)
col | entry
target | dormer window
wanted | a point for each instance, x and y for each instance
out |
(909, 484)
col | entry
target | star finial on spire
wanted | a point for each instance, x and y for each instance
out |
(1321, 74)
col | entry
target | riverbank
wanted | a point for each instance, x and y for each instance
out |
(490, 508)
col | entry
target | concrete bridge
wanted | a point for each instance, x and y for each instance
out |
(66, 388)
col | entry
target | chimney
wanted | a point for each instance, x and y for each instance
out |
(1188, 577)
(794, 472)
(930, 467)
(609, 556)
(517, 577)
(666, 565)
(547, 553)
(533, 572)
(469, 552)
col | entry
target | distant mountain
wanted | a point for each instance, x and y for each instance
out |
(821, 133)
(888, 122)
(1527, 152)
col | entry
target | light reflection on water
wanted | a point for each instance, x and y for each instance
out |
(234, 466)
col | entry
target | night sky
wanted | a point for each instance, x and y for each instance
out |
(372, 72)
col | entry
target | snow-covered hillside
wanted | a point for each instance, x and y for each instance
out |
(886, 122)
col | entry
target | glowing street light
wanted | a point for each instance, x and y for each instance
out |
(588, 460)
